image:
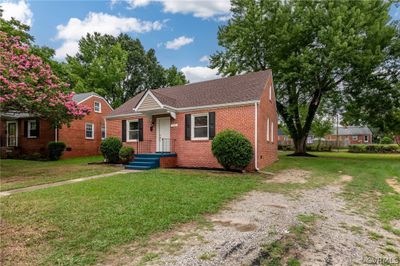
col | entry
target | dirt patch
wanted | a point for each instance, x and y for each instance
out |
(346, 178)
(20, 245)
(290, 176)
(238, 234)
(394, 184)
(395, 224)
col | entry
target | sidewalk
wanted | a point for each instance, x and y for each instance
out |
(56, 184)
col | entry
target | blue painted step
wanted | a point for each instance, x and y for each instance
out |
(147, 161)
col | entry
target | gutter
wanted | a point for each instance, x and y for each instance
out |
(256, 136)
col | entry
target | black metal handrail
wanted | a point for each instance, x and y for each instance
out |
(167, 145)
(143, 146)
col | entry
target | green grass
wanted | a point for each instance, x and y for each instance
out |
(367, 191)
(75, 224)
(24, 173)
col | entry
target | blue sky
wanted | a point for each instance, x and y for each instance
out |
(183, 32)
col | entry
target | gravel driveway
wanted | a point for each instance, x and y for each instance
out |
(235, 235)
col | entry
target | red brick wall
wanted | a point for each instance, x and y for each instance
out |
(168, 162)
(30, 145)
(349, 139)
(267, 150)
(194, 153)
(74, 136)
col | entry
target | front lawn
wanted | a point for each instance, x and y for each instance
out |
(75, 224)
(23, 173)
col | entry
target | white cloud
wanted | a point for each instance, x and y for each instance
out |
(205, 59)
(18, 10)
(177, 43)
(198, 73)
(199, 8)
(101, 23)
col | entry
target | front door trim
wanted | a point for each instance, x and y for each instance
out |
(159, 137)
(16, 133)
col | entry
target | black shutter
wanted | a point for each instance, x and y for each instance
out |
(25, 128)
(140, 129)
(188, 121)
(123, 131)
(211, 125)
(37, 128)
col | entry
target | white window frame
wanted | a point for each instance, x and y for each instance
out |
(193, 126)
(103, 130)
(268, 129)
(94, 107)
(272, 132)
(127, 130)
(92, 124)
(16, 133)
(270, 92)
(366, 138)
(354, 137)
(29, 129)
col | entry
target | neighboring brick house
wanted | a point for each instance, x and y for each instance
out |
(351, 135)
(22, 133)
(179, 122)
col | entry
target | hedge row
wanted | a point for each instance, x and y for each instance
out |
(374, 148)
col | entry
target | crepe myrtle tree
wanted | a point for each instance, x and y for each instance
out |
(27, 84)
(319, 51)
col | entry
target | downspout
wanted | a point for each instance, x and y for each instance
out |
(105, 127)
(56, 134)
(256, 136)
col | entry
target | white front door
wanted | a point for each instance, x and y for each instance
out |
(163, 134)
(12, 134)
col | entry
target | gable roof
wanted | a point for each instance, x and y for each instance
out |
(353, 130)
(236, 89)
(79, 97)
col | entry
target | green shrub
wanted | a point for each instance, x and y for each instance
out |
(374, 148)
(55, 150)
(386, 140)
(232, 149)
(322, 147)
(126, 154)
(110, 149)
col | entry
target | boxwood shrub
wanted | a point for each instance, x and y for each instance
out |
(232, 149)
(374, 148)
(110, 149)
(126, 154)
(55, 150)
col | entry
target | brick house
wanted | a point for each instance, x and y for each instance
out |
(174, 126)
(351, 135)
(22, 133)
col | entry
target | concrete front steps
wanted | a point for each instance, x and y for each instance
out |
(147, 161)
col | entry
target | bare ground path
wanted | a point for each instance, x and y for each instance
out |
(234, 236)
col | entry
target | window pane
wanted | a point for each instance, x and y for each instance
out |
(33, 125)
(133, 125)
(89, 130)
(200, 132)
(200, 121)
(134, 134)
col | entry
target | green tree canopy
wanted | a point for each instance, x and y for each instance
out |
(118, 68)
(319, 51)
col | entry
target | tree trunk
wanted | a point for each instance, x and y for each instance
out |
(300, 147)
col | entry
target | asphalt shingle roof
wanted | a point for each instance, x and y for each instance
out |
(240, 88)
(353, 130)
(83, 96)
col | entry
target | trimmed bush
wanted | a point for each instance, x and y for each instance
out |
(374, 148)
(110, 149)
(126, 154)
(232, 149)
(386, 140)
(55, 150)
(322, 147)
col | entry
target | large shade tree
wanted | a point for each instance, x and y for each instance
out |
(321, 52)
(27, 84)
(118, 68)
